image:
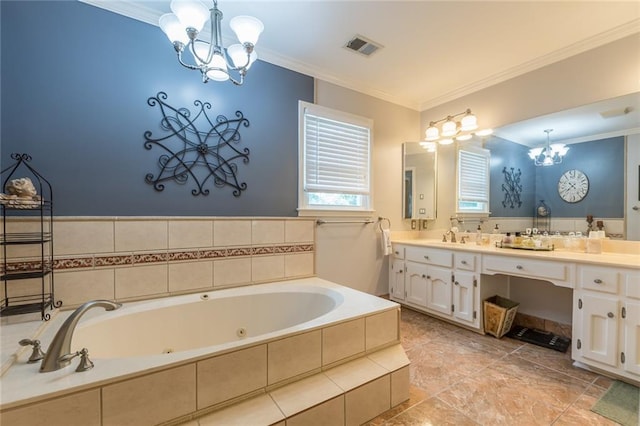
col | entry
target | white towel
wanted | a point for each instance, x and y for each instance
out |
(386, 242)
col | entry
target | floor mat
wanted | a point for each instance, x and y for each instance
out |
(620, 404)
(542, 338)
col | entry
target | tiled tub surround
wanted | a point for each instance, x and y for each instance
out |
(140, 258)
(349, 357)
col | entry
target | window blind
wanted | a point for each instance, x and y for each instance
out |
(473, 177)
(336, 156)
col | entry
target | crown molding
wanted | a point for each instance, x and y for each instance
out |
(630, 28)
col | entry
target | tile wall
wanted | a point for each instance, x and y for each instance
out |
(137, 258)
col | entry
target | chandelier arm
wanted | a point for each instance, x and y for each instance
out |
(186, 65)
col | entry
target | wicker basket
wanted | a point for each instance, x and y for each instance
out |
(499, 313)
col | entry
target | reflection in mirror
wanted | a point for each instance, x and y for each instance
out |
(605, 146)
(419, 182)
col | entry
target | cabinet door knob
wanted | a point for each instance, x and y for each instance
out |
(426, 257)
(464, 262)
(424, 276)
(428, 277)
(597, 281)
(400, 271)
(610, 314)
(396, 252)
(456, 283)
(519, 267)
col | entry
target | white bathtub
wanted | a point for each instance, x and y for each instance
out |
(201, 321)
(152, 336)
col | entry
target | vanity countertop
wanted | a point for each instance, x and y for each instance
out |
(623, 260)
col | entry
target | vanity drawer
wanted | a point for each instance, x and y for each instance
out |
(597, 278)
(398, 251)
(430, 256)
(556, 272)
(465, 261)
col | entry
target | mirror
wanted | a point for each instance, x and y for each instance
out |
(418, 181)
(600, 132)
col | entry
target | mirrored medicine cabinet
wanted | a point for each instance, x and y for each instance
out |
(419, 182)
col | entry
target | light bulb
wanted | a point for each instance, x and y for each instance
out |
(464, 137)
(217, 61)
(191, 13)
(173, 29)
(432, 133)
(247, 29)
(238, 55)
(449, 128)
(445, 141)
(469, 122)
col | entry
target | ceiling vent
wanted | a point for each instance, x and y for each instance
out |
(363, 45)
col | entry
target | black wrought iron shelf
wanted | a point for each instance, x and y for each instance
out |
(17, 238)
(26, 305)
(25, 275)
(29, 197)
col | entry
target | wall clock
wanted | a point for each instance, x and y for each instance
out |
(573, 186)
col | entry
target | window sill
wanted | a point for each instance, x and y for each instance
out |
(364, 214)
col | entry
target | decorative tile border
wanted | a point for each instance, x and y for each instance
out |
(102, 261)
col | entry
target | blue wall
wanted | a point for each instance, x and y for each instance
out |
(603, 163)
(601, 160)
(507, 154)
(75, 84)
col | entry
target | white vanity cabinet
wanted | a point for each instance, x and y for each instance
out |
(606, 319)
(437, 281)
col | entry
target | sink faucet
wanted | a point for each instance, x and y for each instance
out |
(61, 343)
(453, 235)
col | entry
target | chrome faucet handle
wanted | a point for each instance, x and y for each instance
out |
(444, 238)
(463, 239)
(36, 354)
(85, 363)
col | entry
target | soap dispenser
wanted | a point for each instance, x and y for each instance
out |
(479, 235)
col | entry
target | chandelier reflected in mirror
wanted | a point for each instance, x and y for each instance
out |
(211, 58)
(550, 154)
(452, 129)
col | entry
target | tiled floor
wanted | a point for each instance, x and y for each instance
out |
(462, 378)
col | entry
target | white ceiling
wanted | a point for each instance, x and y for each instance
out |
(434, 51)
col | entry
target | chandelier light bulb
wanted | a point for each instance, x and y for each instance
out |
(218, 68)
(464, 137)
(247, 29)
(445, 141)
(173, 28)
(191, 13)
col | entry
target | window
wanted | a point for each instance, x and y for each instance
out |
(335, 160)
(473, 181)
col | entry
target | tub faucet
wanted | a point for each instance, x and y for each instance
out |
(55, 357)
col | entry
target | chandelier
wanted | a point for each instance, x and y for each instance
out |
(451, 129)
(215, 62)
(549, 154)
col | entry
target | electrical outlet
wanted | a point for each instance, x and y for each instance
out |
(413, 224)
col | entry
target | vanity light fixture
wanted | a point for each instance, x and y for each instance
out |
(213, 60)
(550, 154)
(451, 129)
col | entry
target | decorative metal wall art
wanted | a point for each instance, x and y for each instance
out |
(202, 155)
(511, 188)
